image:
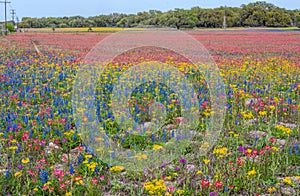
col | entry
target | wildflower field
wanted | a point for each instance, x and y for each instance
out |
(257, 153)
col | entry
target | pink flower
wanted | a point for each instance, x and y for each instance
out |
(171, 189)
(31, 173)
(205, 183)
(218, 185)
(254, 153)
(240, 161)
(94, 180)
(58, 173)
(62, 186)
(261, 152)
(45, 187)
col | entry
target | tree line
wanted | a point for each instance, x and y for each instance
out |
(257, 14)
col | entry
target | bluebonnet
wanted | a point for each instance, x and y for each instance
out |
(71, 169)
(75, 136)
(44, 176)
(7, 174)
(226, 189)
(19, 148)
(80, 159)
(96, 169)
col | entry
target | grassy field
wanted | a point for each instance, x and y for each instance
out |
(257, 152)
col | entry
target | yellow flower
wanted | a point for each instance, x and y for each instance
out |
(168, 178)
(180, 192)
(272, 107)
(92, 165)
(284, 129)
(271, 189)
(155, 187)
(88, 156)
(288, 180)
(157, 147)
(206, 161)
(248, 116)
(35, 189)
(19, 173)
(85, 162)
(262, 113)
(275, 148)
(236, 135)
(199, 172)
(68, 194)
(117, 168)
(221, 151)
(13, 148)
(252, 172)
(25, 161)
(249, 151)
(79, 182)
(140, 156)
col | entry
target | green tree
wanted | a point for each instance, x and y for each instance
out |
(10, 27)
(278, 17)
(255, 14)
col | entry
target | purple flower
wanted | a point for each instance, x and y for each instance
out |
(64, 140)
(241, 149)
(212, 193)
(182, 160)
(163, 165)
(20, 167)
(177, 169)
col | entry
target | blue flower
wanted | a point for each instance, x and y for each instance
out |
(44, 176)
(7, 174)
(71, 169)
(80, 159)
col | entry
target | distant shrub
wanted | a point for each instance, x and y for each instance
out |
(10, 27)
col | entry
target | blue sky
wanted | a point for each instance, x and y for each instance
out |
(45, 8)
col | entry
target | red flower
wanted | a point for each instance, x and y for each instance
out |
(94, 180)
(272, 139)
(261, 152)
(205, 184)
(268, 147)
(254, 153)
(171, 189)
(62, 186)
(240, 161)
(218, 184)
(25, 136)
